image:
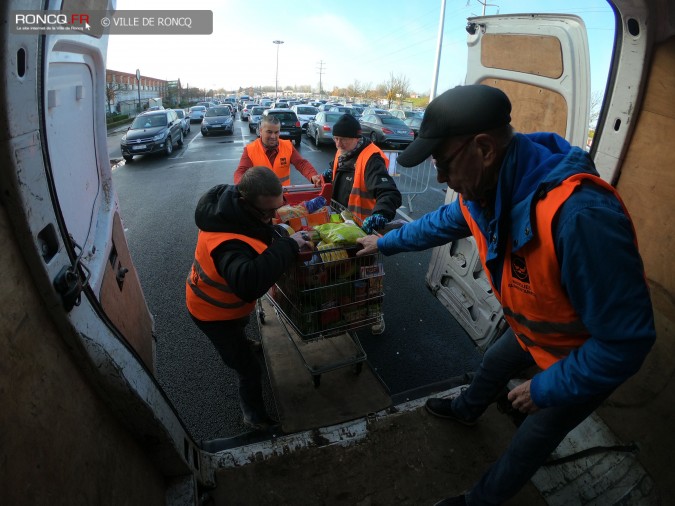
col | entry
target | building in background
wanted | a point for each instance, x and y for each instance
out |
(123, 97)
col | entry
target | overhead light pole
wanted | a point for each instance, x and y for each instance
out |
(276, 82)
(439, 45)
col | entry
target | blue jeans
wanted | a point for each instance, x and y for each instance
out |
(535, 439)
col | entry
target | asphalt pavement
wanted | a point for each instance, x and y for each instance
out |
(422, 347)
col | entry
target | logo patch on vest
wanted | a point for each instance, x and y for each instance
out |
(283, 161)
(520, 277)
(519, 268)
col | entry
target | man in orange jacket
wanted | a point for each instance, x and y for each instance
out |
(275, 153)
(239, 256)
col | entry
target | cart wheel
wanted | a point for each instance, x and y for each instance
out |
(358, 368)
(317, 380)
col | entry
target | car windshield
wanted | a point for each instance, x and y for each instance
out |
(285, 116)
(257, 110)
(198, 108)
(180, 113)
(391, 120)
(307, 110)
(414, 114)
(218, 111)
(155, 120)
(333, 117)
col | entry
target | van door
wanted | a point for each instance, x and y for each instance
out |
(541, 62)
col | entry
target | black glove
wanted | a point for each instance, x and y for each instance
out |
(328, 175)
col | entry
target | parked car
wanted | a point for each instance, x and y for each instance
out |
(347, 109)
(375, 110)
(321, 127)
(246, 110)
(218, 119)
(403, 114)
(196, 113)
(304, 113)
(233, 110)
(254, 117)
(414, 123)
(387, 130)
(208, 105)
(326, 107)
(184, 120)
(152, 132)
(266, 102)
(280, 104)
(290, 124)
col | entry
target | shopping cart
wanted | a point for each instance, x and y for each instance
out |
(330, 294)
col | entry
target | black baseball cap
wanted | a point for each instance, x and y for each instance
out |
(464, 110)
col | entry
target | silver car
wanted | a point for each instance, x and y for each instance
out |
(184, 120)
(246, 110)
(321, 127)
(196, 113)
(305, 113)
(387, 130)
(254, 116)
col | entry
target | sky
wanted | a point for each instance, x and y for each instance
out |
(340, 43)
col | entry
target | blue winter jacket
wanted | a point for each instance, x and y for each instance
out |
(600, 266)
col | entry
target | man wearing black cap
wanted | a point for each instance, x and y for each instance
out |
(551, 236)
(360, 178)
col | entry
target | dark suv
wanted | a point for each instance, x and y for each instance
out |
(151, 132)
(290, 125)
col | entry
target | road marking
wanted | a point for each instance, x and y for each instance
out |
(310, 146)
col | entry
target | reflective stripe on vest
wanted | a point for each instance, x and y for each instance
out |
(207, 295)
(361, 201)
(535, 304)
(282, 163)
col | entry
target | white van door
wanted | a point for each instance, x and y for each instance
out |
(542, 63)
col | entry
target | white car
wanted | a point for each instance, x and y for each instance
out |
(305, 114)
(196, 113)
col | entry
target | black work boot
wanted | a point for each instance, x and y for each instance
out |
(442, 408)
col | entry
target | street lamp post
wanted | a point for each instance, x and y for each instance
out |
(138, 86)
(276, 82)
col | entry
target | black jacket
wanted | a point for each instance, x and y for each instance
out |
(378, 182)
(248, 274)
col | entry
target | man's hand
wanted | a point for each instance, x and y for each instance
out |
(316, 180)
(302, 238)
(374, 222)
(520, 398)
(328, 175)
(369, 244)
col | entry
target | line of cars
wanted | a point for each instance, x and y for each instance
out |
(161, 130)
(383, 127)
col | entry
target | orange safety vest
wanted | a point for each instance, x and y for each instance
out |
(207, 296)
(361, 201)
(282, 163)
(535, 304)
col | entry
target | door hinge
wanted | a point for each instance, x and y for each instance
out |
(71, 280)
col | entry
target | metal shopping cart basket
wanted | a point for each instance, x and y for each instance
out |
(330, 294)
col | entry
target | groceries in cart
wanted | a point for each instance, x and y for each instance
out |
(332, 290)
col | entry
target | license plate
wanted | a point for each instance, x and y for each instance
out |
(283, 133)
(140, 146)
